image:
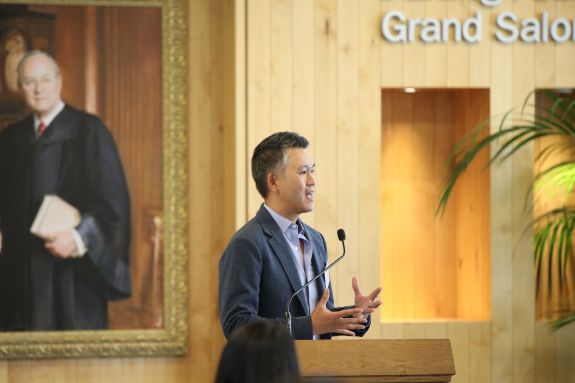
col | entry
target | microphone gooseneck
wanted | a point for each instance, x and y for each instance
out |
(341, 237)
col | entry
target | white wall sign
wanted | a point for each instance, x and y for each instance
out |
(397, 27)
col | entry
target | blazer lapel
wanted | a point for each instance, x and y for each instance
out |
(283, 253)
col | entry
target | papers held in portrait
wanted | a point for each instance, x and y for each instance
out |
(54, 214)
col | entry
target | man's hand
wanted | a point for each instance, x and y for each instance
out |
(61, 244)
(0, 242)
(368, 303)
(325, 321)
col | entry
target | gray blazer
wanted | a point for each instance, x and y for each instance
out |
(258, 276)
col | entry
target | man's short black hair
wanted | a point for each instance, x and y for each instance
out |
(270, 156)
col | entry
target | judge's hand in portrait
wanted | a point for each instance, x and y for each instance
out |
(63, 277)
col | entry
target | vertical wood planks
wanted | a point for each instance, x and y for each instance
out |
(369, 160)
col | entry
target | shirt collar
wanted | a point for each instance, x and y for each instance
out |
(284, 223)
(50, 117)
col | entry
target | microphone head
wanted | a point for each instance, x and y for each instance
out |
(341, 234)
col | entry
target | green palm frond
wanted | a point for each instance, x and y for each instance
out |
(565, 319)
(517, 128)
(515, 136)
(562, 147)
(553, 233)
(556, 180)
(553, 230)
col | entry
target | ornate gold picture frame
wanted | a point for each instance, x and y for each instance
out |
(170, 336)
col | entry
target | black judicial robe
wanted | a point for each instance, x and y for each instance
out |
(76, 158)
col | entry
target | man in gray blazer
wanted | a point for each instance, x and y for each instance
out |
(275, 253)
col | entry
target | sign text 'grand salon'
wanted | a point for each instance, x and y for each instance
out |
(398, 27)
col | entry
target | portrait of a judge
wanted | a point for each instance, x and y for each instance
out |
(60, 279)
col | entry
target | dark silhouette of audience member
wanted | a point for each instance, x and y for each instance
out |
(261, 351)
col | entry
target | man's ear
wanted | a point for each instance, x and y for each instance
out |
(271, 179)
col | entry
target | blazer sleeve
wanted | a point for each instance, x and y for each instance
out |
(238, 289)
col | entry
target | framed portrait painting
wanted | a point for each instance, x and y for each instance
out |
(125, 62)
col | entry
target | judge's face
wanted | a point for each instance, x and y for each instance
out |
(294, 186)
(41, 84)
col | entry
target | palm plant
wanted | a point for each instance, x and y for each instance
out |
(552, 116)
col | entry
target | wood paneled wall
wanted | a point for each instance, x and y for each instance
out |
(317, 67)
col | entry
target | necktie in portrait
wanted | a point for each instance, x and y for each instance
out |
(41, 128)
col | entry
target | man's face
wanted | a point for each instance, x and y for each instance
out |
(41, 84)
(295, 185)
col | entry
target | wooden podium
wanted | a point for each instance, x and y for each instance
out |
(377, 360)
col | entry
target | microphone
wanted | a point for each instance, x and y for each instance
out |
(341, 237)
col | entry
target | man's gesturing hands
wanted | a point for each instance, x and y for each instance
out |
(325, 321)
(345, 321)
(368, 303)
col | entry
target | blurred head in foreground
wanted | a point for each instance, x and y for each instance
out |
(261, 351)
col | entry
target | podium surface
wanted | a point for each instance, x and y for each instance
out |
(376, 360)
